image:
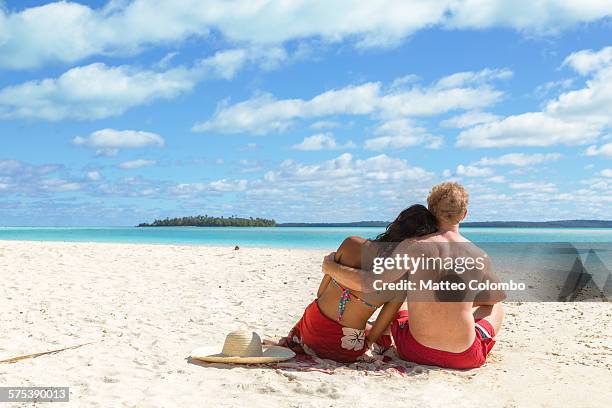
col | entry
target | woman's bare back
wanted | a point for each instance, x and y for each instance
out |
(356, 313)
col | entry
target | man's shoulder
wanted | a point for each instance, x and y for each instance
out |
(416, 246)
(444, 243)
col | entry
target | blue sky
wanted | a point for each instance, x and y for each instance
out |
(114, 113)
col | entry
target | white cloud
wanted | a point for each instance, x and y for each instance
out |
(587, 61)
(226, 63)
(224, 185)
(436, 99)
(347, 172)
(399, 134)
(218, 186)
(249, 166)
(264, 114)
(546, 16)
(600, 186)
(606, 173)
(59, 185)
(109, 141)
(469, 119)
(574, 117)
(137, 164)
(98, 91)
(68, 32)
(519, 159)
(485, 76)
(603, 150)
(545, 89)
(10, 166)
(165, 61)
(93, 175)
(67, 187)
(63, 187)
(358, 186)
(324, 124)
(321, 141)
(593, 103)
(540, 187)
(528, 129)
(91, 92)
(49, 181)
(36, 180)
(496, 179)
(403, 81)
(473, 171)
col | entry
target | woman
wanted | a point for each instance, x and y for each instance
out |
(333, 326)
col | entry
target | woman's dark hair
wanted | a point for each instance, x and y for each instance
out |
(414, 221)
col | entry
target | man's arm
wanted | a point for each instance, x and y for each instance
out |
(385, 317)
(363, 280)
(351, 278)
(489, 297)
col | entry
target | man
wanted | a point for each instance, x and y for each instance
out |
(433, 328)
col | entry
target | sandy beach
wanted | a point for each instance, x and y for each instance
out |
(143, 308)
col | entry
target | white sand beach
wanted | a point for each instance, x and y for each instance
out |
(143, 308)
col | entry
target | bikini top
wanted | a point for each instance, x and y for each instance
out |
(346, 297)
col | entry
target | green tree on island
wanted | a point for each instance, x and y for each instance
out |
(207, 221)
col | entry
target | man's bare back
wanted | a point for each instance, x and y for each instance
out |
(446, 326)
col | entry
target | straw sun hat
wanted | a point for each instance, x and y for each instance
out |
(242, 347)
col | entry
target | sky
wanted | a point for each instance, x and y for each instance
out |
(119, 112)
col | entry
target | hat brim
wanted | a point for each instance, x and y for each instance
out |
(271, 354)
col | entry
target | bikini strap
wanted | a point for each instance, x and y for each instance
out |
(346, 297)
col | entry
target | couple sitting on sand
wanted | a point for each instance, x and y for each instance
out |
(452, 333)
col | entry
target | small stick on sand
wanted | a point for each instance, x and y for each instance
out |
(15, 359)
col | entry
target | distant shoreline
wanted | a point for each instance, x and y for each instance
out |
(235, 221)
(358, 224)
(483, 224)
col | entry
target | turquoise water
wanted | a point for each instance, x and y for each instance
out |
(285, 237)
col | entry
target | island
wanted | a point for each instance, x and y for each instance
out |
(207, 221)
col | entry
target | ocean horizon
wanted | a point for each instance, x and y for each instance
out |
(282, 237)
